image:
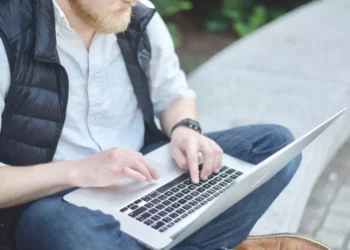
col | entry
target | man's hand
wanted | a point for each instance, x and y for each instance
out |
(185, 145)
(105, 168)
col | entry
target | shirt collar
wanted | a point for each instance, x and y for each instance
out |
(60, 18)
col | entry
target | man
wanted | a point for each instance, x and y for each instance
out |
(78, 103)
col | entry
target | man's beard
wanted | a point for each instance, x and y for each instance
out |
(111, 23)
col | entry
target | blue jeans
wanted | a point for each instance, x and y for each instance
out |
(51, 223)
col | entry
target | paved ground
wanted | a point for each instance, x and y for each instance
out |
(327, 216)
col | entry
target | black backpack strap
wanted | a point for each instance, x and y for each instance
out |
(128, 43)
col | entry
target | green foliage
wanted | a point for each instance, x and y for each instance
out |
(170, 7)
(241, 16)
(167, 8)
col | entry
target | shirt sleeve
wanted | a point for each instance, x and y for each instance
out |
(168, 81)
(4, 81)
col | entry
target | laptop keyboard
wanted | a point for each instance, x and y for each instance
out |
(163, 208)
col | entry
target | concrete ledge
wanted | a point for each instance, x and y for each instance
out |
(293, 72)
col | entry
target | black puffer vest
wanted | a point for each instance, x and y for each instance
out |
(36, 103)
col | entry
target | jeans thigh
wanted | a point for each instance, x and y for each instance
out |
(52, 223)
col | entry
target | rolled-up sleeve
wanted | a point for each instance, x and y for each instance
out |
(4, 81)
(168, 81)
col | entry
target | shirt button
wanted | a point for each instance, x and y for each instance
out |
(91, 81)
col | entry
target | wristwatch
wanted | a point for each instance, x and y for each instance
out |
(188, 123)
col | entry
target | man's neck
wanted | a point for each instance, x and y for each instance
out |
(85, 32)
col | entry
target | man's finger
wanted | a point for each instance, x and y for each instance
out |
(208, 160)
(192, 160)
(139, 167)
(179, 158)
(132, 174)
(218, 156)
(150, 168)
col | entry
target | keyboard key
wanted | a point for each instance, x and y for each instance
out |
(175, 205)
(154, 194)
(180, 211)
(179, 195)
(137, 212)
(162, 213)
(162, 230)
(195, 193)
(223, 169)
(149, 205)
(173, 198)
(134, 207)
(148, 222)
(153, 211)
(123, 209)
(146, 198)
(156, 201)
(187, 207)
(216, 194)
(169, 209)
(223, 175)
(177, 220)
(160, 207)
(200, 190)
(131, 205)
(204, 203)
(211, 177)
(218, 179)
(170, 224)
(166, 203)
(228, 180)
(181, 186)
(212, 182)
(197, 207)
(162, 197)
(188, 197)
(210, 198)
(206, 186)
(222, 190)
(192, 187)
(168, 193)
(155, 218)
(193, 203)
(173, 183)
(234, 176)
(158, 225)
(184, 216)
(174, 215)
(230, 171)
(166, 219)
(182, 201)
(211, 191)
(191, 211)
(187, 182)
(186, 191)
(217, 187)
(143, 216)
(174, 190)
(223, 184)
(239, 173)
(138, 201)
(199, 199)
(205, 195)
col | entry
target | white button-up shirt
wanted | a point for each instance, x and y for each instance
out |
(102, 110)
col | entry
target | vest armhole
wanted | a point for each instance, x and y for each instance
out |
(8, 49)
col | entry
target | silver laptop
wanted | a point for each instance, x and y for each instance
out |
(159, 215)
